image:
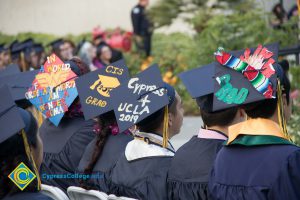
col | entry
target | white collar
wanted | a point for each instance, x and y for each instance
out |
(136, 148)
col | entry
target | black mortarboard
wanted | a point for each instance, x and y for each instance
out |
(3, 48)
(139, 98)
(37, 48)
(17, 48)
(94, 88)
(19, 83)
(11, 121)
(232, 80)
(13, 44)
(10, 70)
(56, 43)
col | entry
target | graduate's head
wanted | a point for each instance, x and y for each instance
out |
(104, 53)
(155, 122)
(23, 146)
(222, 118)
(269, 108)
(68, 50)
(144, 3)
(57, 47)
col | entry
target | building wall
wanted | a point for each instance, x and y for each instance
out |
(61, 17)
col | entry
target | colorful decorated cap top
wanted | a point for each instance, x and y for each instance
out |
(53, 90)
(95, 88)
(140, 97)
(236, 78)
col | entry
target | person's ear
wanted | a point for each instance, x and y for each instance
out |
(284, 101)
(170, 119)
(242, 115)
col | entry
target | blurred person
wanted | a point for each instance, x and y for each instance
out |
(35, 56)
(142, 27)
(99, 39)
(87, 53)
(58, 48)
(18, 50)
(4, 56)
(104, 55)
(279, 16)
(293, 12)
(69, 48)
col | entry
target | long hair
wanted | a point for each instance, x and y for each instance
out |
(106, 121)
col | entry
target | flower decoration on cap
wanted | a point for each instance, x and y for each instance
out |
(257, 68)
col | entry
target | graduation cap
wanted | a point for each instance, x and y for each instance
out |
(13, 44)
(56, 43)
(53, 90)
(19, 83)
(237, 78)
(17, 48)
(10, 70)
(3, 48)
(94, 88)
(10, 119)
(139, 98)
(37, 48)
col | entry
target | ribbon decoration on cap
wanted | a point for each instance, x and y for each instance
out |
(257, 68)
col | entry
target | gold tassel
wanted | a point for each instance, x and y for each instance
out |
(166, 127)
(281, 117)
(23, 62)
(30, 157)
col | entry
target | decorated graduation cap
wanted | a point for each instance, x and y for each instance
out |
(236, 78)
(13, 121)
(53, 90)
(139, 98)
(95, 88)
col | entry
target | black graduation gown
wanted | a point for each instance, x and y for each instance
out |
(63, 148)
(190, 170)
(28, 196)
(143, 178)
(114, 147)
(256, 172)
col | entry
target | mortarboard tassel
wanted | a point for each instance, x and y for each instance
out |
(281, 117)
(30, 157)
(166, 127)
(22, 62)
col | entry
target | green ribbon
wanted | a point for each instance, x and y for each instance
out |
(257, 140)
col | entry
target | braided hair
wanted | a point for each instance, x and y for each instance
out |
(105, 122)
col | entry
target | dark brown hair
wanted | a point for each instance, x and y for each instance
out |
(154, 121)
(105, 121)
